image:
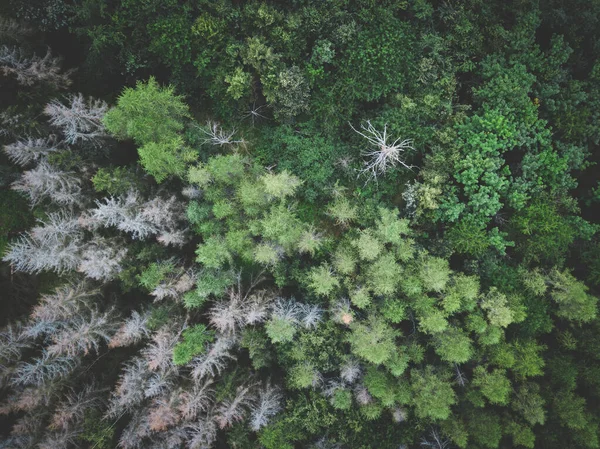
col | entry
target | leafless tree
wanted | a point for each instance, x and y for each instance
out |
(11, 29)
(163, 414)
(132, 331)
(43, 369)
(46, 181)
(10, 122)
(461, 378)
(61, 439)
(331, 386)
(33, 256)
(257, 307)
(435, 441)
(191, 192)
(159, 353)
(101, 259)
(72, 409)
(167, 216)
(287, 309)
(253, 113)
(131, 437)
(214, 360)
(267, 405)
(163, 213)
(137, 226)
(83, 334)
(130, 388)
(310, 315)
(27, 428)
(124, 213)
(175, 285)
(80, 120)
(362, 395)
(110, 211)
(56, 228)
(172, 438)
(30, 70)
(66, 301)
(159, 383)
(233, 410)
(202, 434)
(24, 152)
(324, 443)
(216, 135)
(12, 342)
(242, 308)
(39, 396)
(228, 316)
(173, 238)
(341, 311)
(199, 399)
(399, 414)
(350, 371)
(385, 155)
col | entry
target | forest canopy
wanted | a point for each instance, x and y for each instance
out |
(299, 224)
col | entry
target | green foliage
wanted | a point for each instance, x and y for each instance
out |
(280, 185)
(280, 329)
(528, 360)
(368, 247)
(213, 253)
(342, 211)
(383, 276)
(373, 340)
(447, 296)
(302, 375)
(390, 229)
(147, 113)
(432, 394)
(96, 431)
(485, 429)
(194, 343)
(166, 158)
(574, 303)
(307, 154)
(154, 274)
(257, 343)
(494, 385)
(381, 386)
(113, 180)
(434, 273)
(454, 346)
(208, 283)
(495, 304)
(342, 399)
(322, 280)
(530, 404)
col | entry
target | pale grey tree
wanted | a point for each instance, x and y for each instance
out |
(46, 181)
(213, 361)
(101, 259)
(30, 70)
(384, 155)
(43, 369)
(24, 152)
(80, 120)
(268, 404)
(83, 334)
(233, 410)
(132, 331)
